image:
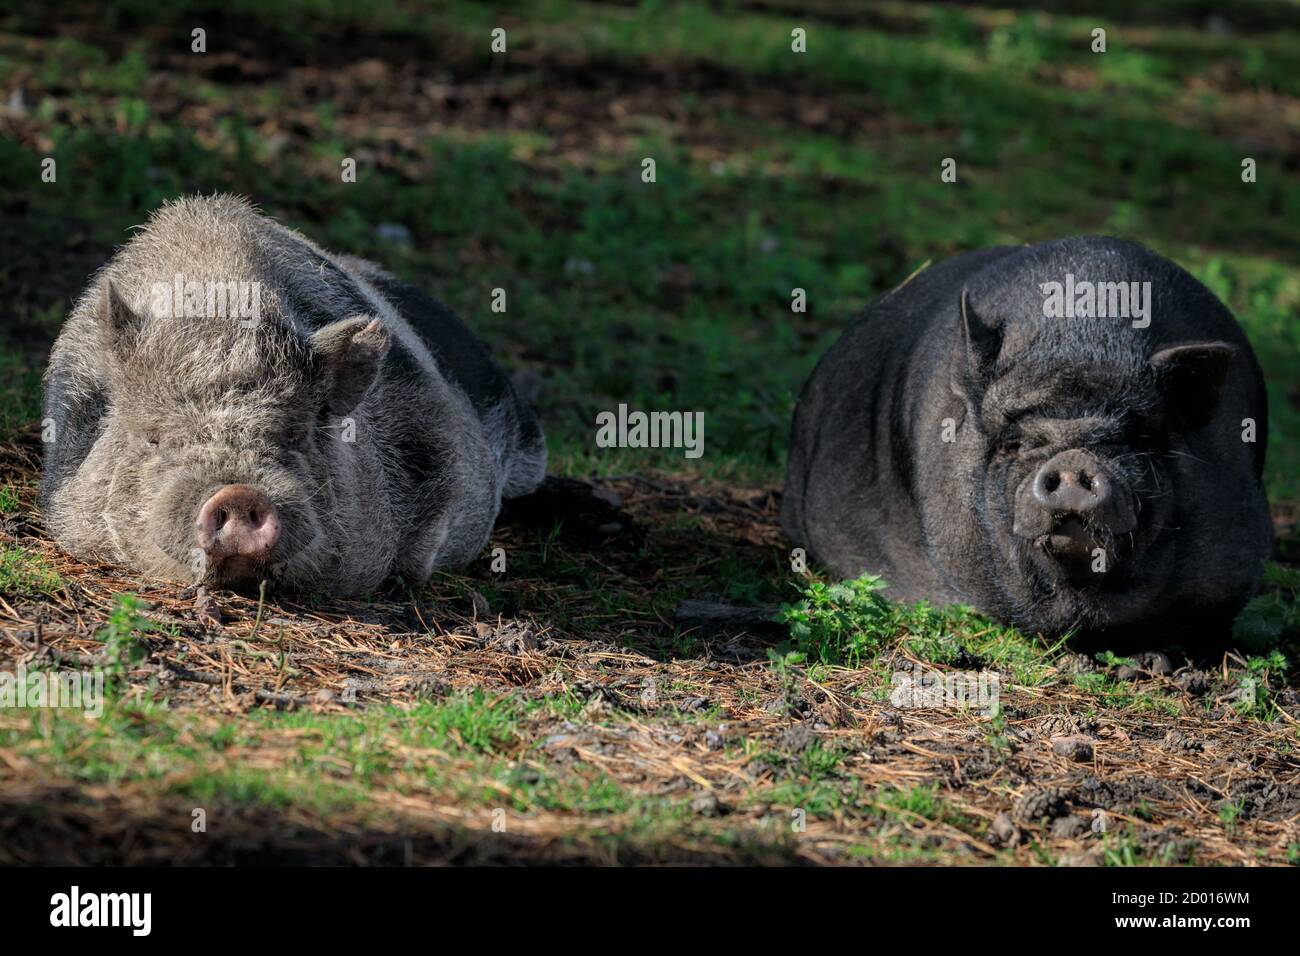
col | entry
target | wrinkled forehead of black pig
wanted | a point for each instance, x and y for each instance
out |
(1013, 363)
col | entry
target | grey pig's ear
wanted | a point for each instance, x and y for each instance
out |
(353, 350)
(1191, 378)
(980, 340)
(117, 320)
(977, 347)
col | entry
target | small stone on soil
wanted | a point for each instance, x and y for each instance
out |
(1195, 683)
(206, 608)
(1070, 827)
(428, 687)
(393, 232)
(1145, 664)
(514, 639)
(1157, 663)
(706, 804)
(650, 693)
(1078, 664)
(1078, 749)
(797, 737)
(1004, 831)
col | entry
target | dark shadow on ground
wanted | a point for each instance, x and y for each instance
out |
(63, 826)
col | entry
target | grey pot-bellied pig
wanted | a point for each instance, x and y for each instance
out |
(229, 403)
(1067, 435)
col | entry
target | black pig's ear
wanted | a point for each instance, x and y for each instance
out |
(117, 319)
(1191, 378)
(352, 349)
(978, 344)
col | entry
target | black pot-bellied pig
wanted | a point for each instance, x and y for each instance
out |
(229, 403)
(1066, 436)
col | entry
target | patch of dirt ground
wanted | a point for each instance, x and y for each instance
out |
(729, 737)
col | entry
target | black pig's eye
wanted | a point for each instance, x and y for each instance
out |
(151, 439)
(1009, 446)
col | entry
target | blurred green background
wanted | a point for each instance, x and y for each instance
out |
(775, 170)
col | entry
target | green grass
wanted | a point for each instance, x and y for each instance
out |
(925, 802)
(1256, 689)
(850, 622)
(26, 574)
(464, 750)
(843, 623)
(10, 503)
(1122, 850)
(20, 393)
(322, 761)
(1272, 619)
